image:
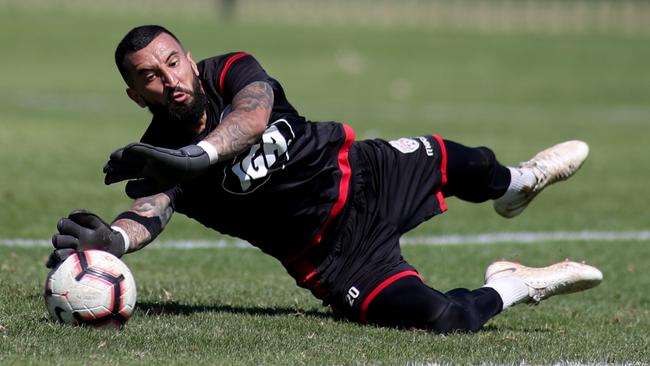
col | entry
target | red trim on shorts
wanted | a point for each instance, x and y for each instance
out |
(387, 282)
(443, 171)
(229, 63)
(441, 201)
(307, 277)
(302, 271)
(443, 163)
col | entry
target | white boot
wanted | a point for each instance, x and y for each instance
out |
(560, 278)
(552, 165)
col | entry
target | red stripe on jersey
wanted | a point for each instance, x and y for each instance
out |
(229, 63)
(387, 282)
(443, 171)
(300, 268)
(344, 187)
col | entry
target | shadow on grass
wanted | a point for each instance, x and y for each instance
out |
(175, 308)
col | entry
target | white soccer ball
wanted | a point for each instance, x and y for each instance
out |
(92, 288)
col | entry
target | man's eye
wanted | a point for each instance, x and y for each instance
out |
(149, 77)
(173, 63)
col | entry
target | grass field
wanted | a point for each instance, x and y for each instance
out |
(63, 110)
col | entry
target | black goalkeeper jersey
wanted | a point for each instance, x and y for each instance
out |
(281, 193)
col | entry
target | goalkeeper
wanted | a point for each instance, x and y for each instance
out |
(227, 149)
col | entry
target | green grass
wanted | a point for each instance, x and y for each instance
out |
(234, 306)
(63, 110)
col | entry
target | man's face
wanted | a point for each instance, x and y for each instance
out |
(164, 78)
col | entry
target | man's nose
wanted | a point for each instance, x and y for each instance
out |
(169, 79)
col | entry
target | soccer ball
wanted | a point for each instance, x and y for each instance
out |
(91, 288)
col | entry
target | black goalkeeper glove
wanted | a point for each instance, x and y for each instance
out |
(154, 169)
(83, 230)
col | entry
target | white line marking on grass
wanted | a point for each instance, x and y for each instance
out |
(429, 240)
(526, 237)
(176, 244)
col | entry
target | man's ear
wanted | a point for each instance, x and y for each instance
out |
(194, 67)
(136, 97)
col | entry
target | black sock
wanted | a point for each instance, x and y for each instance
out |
(474, 174)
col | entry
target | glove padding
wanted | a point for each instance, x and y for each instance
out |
(83, 230)
(152, 169)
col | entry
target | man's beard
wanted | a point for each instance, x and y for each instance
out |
(185, 114)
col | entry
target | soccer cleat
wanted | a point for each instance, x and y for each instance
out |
(549, 166)
(560, 278)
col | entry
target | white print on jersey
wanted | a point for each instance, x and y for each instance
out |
(250, 170)
(405, 145)
(427, 145)
(352, 295)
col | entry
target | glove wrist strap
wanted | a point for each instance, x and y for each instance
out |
(210, 150)
(127, 242)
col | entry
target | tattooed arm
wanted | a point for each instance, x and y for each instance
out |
(131, 230)
(146, 218)
(245, 124)
(166, 168)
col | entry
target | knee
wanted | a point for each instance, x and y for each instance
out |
(469, 163)
(485, 160)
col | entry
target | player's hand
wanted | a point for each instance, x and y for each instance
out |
(83, 230)
(154, 169)
(58, 256)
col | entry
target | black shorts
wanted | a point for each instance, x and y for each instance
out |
(395, 186)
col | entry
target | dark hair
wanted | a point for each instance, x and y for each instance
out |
(137, 39)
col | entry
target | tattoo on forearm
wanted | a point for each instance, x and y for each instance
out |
(138, 234)
(233, 137)
(254, 96)
(145, 206)
(153, 206)
(243, 126)
(166, 215)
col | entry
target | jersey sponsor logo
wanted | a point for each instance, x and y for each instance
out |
(405, 145)
(427, 145)
(250, 170)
